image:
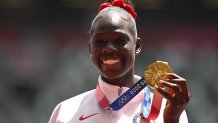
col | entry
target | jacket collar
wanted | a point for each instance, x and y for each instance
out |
(112, 92)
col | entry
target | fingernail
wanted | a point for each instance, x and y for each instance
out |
(161, 81)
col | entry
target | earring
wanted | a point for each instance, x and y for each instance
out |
(137, 51)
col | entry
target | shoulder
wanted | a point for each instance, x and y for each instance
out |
(68, 108)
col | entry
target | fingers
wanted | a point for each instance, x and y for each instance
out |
(172, 76)
(175, 99)
(165, 93)
(181, 82)
(173, 86)
(175, 89)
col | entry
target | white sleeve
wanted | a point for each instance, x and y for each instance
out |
(183, 118)
(53, 118)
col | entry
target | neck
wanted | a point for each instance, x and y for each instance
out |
(124, 81)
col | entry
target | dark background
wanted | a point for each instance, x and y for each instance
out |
(44, 57)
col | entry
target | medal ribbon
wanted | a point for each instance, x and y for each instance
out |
(121, 100)
(150, 111)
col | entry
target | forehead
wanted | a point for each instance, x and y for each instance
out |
(112, 21)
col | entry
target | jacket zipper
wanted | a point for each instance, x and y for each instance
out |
(113, 116)
(114, 113)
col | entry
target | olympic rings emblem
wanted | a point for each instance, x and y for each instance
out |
(123, 100)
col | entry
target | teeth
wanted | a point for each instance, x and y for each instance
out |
(111, 61)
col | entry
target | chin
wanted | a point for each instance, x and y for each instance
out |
(113, 74)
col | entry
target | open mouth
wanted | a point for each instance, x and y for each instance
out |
(110, 61)
(111, 64)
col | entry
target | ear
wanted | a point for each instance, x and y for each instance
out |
(138, 46)
(89, 47)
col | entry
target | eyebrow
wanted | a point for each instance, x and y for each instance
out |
(123, 35)
(115, 32)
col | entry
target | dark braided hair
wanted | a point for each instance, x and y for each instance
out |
(130, 2)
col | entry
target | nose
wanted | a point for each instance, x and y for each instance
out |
(109, 48)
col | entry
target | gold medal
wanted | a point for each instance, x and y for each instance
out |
(156, 72)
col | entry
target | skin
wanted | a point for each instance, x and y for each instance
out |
(113, 39)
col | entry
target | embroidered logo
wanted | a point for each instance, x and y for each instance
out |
(139, 119)
(85, 117)
(124, 99)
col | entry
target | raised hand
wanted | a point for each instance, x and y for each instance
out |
(176, 92)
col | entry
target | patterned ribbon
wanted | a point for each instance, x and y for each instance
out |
(150, 111)
(122, 99)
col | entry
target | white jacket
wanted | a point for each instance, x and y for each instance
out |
(84, 108)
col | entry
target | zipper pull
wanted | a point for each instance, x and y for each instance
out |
(120, 89)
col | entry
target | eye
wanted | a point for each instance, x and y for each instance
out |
(120, 42)
(99, 43)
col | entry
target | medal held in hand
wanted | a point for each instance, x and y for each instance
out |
(156, 72)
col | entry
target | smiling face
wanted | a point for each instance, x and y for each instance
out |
(113, 44)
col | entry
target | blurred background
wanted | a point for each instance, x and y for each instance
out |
(44, 57)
